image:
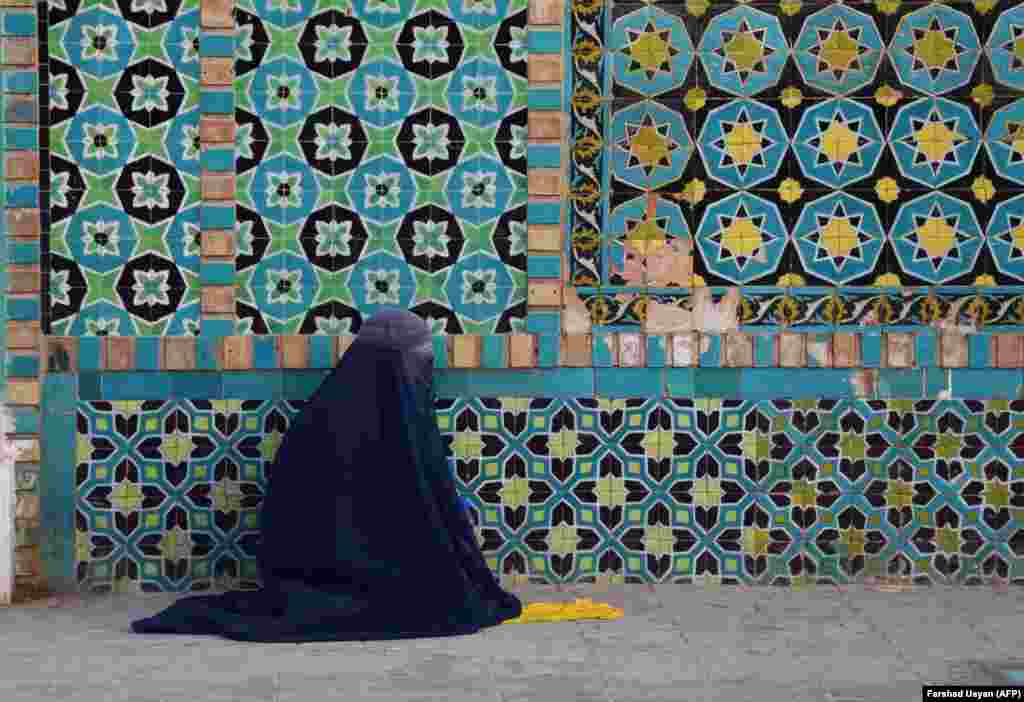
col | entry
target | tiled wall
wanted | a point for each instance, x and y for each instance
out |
(586, 199)
(140, 460)
(378, 158)
(802, 174)
(661, 489)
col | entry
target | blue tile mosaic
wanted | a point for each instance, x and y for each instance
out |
(736, 144)
(167, 493)
(380, 159)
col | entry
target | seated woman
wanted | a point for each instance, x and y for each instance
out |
(363, 534)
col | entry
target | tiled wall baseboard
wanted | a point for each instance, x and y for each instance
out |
(636, 490)
(720, 383)
(918, 349)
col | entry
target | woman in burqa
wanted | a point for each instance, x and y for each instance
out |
(363, 534)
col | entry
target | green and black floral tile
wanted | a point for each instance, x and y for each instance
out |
(380, 160)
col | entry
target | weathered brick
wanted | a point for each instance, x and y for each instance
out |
(218, 299)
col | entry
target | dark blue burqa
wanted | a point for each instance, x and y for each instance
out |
(363, 533)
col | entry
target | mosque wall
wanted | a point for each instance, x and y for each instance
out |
(720, 291)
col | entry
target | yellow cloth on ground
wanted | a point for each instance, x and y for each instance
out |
(585, 608)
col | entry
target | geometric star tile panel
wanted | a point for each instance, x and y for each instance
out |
(123, 124)
(849, 149)
(168, 494)
(381, 160)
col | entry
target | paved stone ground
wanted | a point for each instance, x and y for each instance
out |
(675, 644)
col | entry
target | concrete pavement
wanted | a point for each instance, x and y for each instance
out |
(675, 644)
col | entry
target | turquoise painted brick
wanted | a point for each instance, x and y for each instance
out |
(766, 384)
(19, 23)
(56, 492)
(985, 384)
(21, 195)
(301, 384)
(601, 351)
(717, 382)
(657, 352)
(629, 382)
(23, 309)
(19, 81)
(936, 380)
(217, 217)
(900, 383)
(321, 354)
(216, 45)
(712, 357)
(206, 350)
(216, 328)
(548, 350)
(25, 253)
(544, 41)
(440, 352)
(190, 385)
(764, 350)
(264, 353)
(89, 389)
(60, 392)
(493, 351)
(553, 383)
(793, 383)
(544, 156)
(812, 362)
(762, 383)
(544, 213)
(138, 385)
(147, 353)
(544, 99)
(22, 365)
(21, 138)
(680, 382)
(252, 385)
(217, 273)
(871, 349)
(90, 354)
(216, 102)
(979, 350)
(544, 266)
(926, 348)
(548, 323)
(217, 160)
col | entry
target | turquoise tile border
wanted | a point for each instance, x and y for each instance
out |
(57, 481)
(985, 384)
(622, 383)
(494, 352)
(871, 350)
(611, 382)
(900, 383)
(321, 351)
(147, 353)
(926, 348)
(556, 383)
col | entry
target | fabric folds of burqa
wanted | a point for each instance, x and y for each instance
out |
(363, 535)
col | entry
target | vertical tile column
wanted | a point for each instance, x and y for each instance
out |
(217, 136)
(546, 160)
(19, 72)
